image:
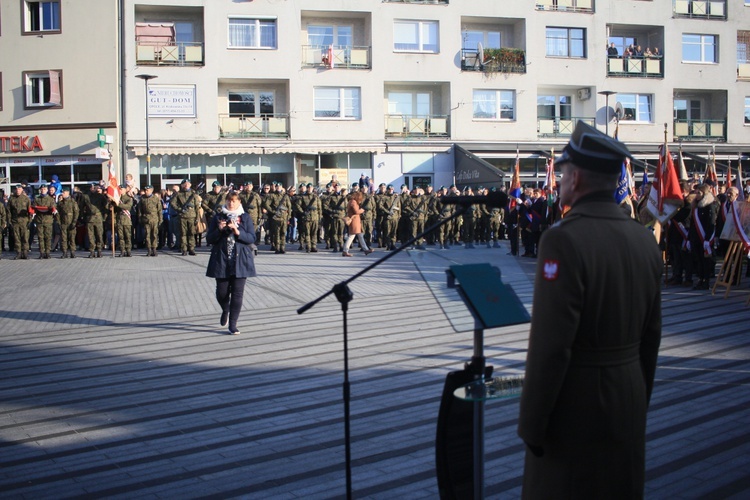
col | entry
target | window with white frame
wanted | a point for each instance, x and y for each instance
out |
(43, 89)
(415, 36)
(251, 103)
(41, 16)
(337, 102)
(252, 33)
(700, 48)
(416, 104)
(636, 107)
(566, 42)
(494, 104)
(489, 39)
(747, 110)
(325, 36)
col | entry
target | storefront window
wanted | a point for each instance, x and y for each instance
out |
(24, 174)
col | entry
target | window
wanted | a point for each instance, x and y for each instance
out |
(488, 39)
(687, 110)
(247, 33)
(42, 16)
(325, 36)
(623, 42)
(334, 102)
(409, 103)
(251, 103)
(494, 104)
(566, 42)
(415, 36)
(747, 106)
(43, 89)
(637, 107)
(700, 48)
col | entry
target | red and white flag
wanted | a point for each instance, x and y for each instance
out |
(112, 185)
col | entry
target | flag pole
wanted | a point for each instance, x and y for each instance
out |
(112, 216)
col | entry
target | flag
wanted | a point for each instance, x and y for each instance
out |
(739, 182)
(729, 175)
(551, 183)
(112, 186)
(645, 181)
(621, 192)
(631, 180)
(683, 171)
(667, 184)
(711, 176)
(515, 182)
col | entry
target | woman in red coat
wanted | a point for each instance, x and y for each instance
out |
(355, 225)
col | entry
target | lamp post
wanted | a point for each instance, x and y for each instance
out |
(606, 93)
(145, 79)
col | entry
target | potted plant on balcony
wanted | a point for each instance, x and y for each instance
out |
(505, 60)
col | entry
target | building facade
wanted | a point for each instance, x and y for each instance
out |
(304, 90)
(58, 91)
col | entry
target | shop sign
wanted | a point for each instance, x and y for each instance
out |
(171, 100)
(20, 144)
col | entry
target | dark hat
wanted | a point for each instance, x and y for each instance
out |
(382, 184)
(302, 184)
(275, 183)
(390, 186)
(215, 183)
(66, 188)
(451, 186)
(355, 184)
(148, 187)
(404, 186)
(309, 184)
(18, 186)
(123, 186)
(592, 150)
(429, 185)
(441, 188)
(185, 181)
(43, 186)
(329, 185)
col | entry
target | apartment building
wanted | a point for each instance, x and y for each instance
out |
(59, 90)
(403, 91)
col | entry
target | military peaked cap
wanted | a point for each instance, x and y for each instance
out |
(590, 149)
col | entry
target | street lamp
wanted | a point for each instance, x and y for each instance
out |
(606, 93)
(145, 79)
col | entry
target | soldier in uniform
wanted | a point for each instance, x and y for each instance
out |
(594, 338)
(3, 222)
(264, 215)
(123, 222)
(414, 209)
(186, 205)
(252, 204)
(494, 225)
(19, 211)
(458, 222)
(392, 207)
(403, 231)
(368, 216)
(280, 219)
(149, 213)
(469, 217)
(337, 208)
(213, 200)
(326, 213)
(445, 211)
(95, 206)
(45, 209)
(380, 214)
(67, 210)
(309, 208)
(432, 213)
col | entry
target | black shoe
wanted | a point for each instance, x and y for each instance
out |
(72, 254)
(17, 256)
(98, 254)
(282, 251)
(191, 252)
(224, 320)
(313, 250)
(184, 253)
(92, 254)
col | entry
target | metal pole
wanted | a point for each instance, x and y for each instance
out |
(148, 149)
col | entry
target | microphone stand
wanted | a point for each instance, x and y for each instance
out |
(344, 295)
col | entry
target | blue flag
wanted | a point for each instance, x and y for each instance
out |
(622, 190)
(645, 181)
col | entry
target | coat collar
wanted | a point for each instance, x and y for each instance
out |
(600, 204)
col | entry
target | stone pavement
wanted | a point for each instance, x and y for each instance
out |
(118, 382)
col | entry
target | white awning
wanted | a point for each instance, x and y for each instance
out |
(219, 149)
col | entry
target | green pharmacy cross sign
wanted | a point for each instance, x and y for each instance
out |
(102, 138)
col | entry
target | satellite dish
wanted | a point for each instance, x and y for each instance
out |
(619, 111)
(480, 53)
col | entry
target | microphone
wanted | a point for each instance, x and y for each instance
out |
(497, 199)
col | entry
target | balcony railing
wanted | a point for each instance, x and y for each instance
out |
(444, 2)
(700, 130)
(566, 5)
(743, 70)
(417, 126)
(703, 9)
(336, 56)
(237, 126)
(636, 67)
(503, 60)
(177, 54)
(551, 126)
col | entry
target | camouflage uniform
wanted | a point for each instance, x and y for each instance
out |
(444, 233)
(124, 224)
(391, 205)
(149, 214)
(186, 204)
(67, 210)
(415, 211)
(19, 207)
(213, 201)
(94, 205)
(337, 209)
(46, 209)
(368, 217)
(309, 207)
(380, 214)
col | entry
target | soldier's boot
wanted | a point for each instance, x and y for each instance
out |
(64, 255)
(488, 245)
(46, 255)
(191, 252)
(98, 254)
(122, 253)
(72, 254)
(41, 255)
(92, 254)
(17, 256)
(153, 252)
(313, 249)
(127, 253)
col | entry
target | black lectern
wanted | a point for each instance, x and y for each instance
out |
(459, 443)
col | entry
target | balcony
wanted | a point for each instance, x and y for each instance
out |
(336, 56)
(700, 130)
(169, 54)
(268, 126)
(703, 9)
(566, 5)
(433, 126)
(550, 126)
(638, 67)
(504, 60)
(743, 71)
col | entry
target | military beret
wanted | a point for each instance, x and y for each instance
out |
(493, 189)
(185, 181)
(429, 185)
(390, 186)
(451, 186)
(382, 184)
(590, 149)
(148, 187)
(123, 186)
(355, 184)
(18, 186)
(480, 187)
(404, 186)
(441, 188)
(466, 189)
(309, 184)
(302, 184)
(215, 183)
(43, 186)
(275, 183)
(64, 189)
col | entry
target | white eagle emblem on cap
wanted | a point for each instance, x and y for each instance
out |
(551, 268)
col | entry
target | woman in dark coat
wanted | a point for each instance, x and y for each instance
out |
(231, 234)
